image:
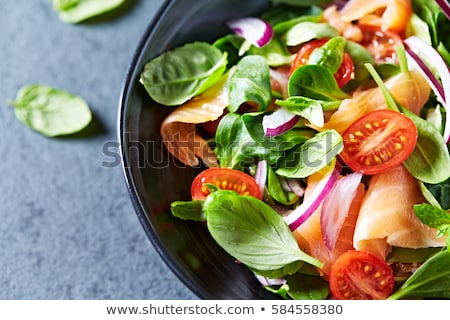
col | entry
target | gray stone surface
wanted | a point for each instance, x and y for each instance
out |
(67, 227)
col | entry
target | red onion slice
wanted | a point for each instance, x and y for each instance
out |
(254, 30)
(278, 122)
(336, 206)
(441, 89)
(445, 6)
(300, 214)
(261, 175)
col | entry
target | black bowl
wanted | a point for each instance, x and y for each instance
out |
(155, 179)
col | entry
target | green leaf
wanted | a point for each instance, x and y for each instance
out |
(360, 56)
(188, 210)
(276, 190)
(315, 82)
(330, 55)
(306, 31)
(434, 217)
(441, 193)
(430, 160)
(235, 148)
(303, 287)
(278, 144)
(250, 83)
(178, 75)
(431, 280)
(303, 3)
(253, 233)
(75, 11)
(50, 111)
(311, 156)
(275, 53)
(310, 109)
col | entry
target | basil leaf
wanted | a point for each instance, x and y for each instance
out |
(235, 148)
(431, 280)
(188, 210)
(250, 82)
(306, 31)
(310, 109)
(74, 11)
(253, 233)
(278, 144)
(51, 112)
(430, 160)
(311, 156)
(315, 82)
(178, 75)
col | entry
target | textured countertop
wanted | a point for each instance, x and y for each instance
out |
(67, 226)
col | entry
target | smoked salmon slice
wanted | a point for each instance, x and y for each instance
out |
(387, 217)
(309, 235)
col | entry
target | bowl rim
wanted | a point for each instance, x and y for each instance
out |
(126, 169)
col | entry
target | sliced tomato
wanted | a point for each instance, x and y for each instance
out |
(378, 141)
(359, 275)
(345, 71)
(226, 179)
(380, 43)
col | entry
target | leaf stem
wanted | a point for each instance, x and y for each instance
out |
(390, 100)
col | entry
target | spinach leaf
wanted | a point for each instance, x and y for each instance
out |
(276, 190)
(235, 148)
(310, 109)
(275, 53)
(250, 82)
(360, 56)
(303, 287)
(75, 11)
(230, 43)
(178, 75)
(311, 156)
(306, 31)
(188, 210)
(431, 280)
(315, 82)
(51, 112)
(430, 160)
(330, 55)
(253, 233)
(432, 14)
(284, 17)
(441, 193)
(276, 145)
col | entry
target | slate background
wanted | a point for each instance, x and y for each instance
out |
(67, 226)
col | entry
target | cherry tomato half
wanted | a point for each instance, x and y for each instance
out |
(378, 141)
(224, 178)
(345, 71)
(359, 275)
(380, 43)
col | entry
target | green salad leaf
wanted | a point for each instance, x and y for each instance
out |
(254, 233)
(315, 82)
(250, 83)
(51, 112)
(178, 75)
(75, 11)
(431, 280)
(306, 31)
(311, 156)
(434, 217)
(303, 287)
(188, 210)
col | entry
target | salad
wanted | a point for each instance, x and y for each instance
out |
(321, 129)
